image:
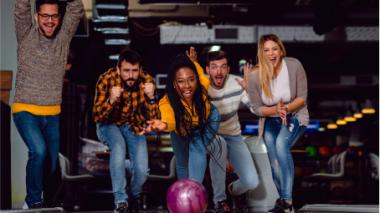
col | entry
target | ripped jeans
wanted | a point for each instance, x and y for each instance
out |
(279, 140)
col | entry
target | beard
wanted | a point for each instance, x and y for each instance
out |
(130, 83)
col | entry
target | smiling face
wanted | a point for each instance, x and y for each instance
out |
(218, 71)
(185, 83)
(273, 53)
(48, 19)
(129, 73)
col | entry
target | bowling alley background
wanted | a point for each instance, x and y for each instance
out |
(336, 160)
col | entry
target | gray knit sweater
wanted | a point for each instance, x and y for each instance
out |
(41, 61)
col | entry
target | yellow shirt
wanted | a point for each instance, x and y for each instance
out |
(36, 109)
(167, 112)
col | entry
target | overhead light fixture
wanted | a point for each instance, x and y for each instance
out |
(332, 126)
(368, 111)
(368, 108)
(358, 115)
(341, 122)
(215, 48)
(349, 117)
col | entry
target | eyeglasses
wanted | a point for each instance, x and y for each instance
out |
(45, 17)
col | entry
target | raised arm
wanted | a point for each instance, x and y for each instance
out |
(192, 54)
(74, 12)
(23, 18)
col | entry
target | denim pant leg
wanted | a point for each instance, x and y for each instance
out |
(286, 138)
(218, 161)
(111, 135)
(138, 154)
(243, 164)
(198, 144)
(197, 158)
(36, 132)
(52, 138)
(272, 127)
(181, 151)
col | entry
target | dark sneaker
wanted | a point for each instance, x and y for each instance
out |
(278, 202)
(284, 207)
(135, 205)
(238, 201)
(222, 207)
(121, 208)
(37, 206)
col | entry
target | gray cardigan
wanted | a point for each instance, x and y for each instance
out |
(298, 88)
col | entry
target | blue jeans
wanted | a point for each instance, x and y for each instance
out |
(190, 151)
(279, 140)
(119, 138)
(233, 148)
(41, 136)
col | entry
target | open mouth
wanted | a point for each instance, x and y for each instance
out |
(219, 80)
(273, 60)
(187, 94)
(49, 28)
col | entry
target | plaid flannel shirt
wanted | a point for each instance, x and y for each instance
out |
(133, 107)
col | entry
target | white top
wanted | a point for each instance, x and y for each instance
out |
(280, 87)
(227, 101)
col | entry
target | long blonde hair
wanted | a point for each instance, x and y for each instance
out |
(265, 68)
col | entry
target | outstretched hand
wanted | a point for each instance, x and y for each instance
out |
(192, 54)
(154, 125)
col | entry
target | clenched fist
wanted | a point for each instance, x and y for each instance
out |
(149, 90)
(115, 94)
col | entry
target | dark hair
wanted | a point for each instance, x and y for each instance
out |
(130, 56)
(42, 2)
(182, 117)
(215, 55)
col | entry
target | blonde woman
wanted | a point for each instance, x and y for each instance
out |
(277, 90)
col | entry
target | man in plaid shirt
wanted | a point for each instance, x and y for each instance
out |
(124, 101)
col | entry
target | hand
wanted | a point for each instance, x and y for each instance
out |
(157, 125)
(115, 94)
(241, 82)
(192, 54)
(154, 126)
(247, 69)
(149, 89)
(282, 111)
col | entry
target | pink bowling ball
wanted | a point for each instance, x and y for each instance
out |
(186, 196)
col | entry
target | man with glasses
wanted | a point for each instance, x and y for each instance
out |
(41, 58)
(227, 93)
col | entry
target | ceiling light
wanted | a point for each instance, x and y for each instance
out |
(358, 115)
(341, 121)
(368, 111)
(349, 118)
(368, 108)
(215, 48)
(332, 126)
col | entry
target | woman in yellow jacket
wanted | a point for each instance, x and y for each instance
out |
(189, 116)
